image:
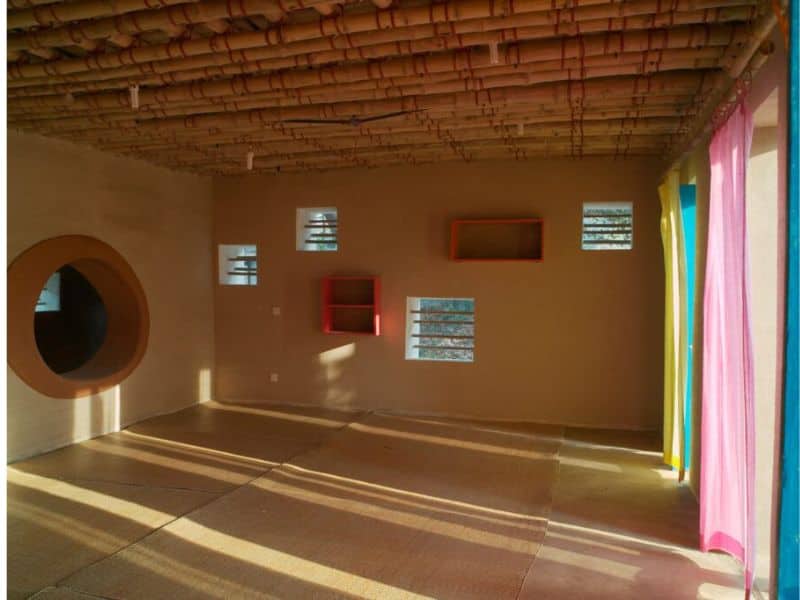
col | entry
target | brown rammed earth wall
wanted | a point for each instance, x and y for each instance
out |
(576, 339)
(160, 222)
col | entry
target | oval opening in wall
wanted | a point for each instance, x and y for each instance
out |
(78, 320)
(70, 321)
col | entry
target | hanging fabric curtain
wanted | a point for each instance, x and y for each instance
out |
(727, 451)
(688, 195)
(674, 322)
(788, 531)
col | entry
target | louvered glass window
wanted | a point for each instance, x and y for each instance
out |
(238, 264)
(317, 229)
(607, 226)
(440, 329)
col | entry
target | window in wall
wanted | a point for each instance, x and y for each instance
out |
(607, 226)
(238, 264)
(440, 329)
(50, 296)
(317, 229)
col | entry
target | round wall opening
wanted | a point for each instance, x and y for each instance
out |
(78, 321)
(70, 321)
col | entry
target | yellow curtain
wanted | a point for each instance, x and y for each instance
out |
(674, 321)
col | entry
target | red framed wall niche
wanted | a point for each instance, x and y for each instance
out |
(351, 305)
(496, 240)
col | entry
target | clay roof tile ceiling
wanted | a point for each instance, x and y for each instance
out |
(219, 86)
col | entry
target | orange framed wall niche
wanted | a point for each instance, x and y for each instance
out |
(128, 319)
(496, 240)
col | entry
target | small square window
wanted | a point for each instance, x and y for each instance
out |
(607, 226)
(317, 229)
(440, 329)
(238, 264)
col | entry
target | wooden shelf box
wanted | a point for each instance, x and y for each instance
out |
(351, 305)
(496, 240)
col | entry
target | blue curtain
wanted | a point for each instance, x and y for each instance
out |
(788, 535)
(688, 194)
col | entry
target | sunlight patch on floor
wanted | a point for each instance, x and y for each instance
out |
(277, 414)
(442, 441)
(410, 494)
(412, 500)
(283, 562)
(74, 493)
(200, 452)
(402, 518)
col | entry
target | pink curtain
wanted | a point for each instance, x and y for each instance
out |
(727, 451)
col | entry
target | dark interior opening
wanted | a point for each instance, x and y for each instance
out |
(70, 321)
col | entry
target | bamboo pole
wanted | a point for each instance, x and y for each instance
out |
(394, 50)
(448, 121)
(563, 130)
(35, 120)
(21, 4)
(372, 148)
(288, 137)
(87, 82)
(653, 143)
(416, 154)
(419, 90)
(570, 91)
(148, 20)
(58, 13)
(94, 129)
(356, 30)
(647, 144)
(622, 123)
(509, 122)
(649, 61)
(644, 47)
(750, 58)
(429, 159)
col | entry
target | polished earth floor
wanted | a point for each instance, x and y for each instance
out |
(233, 501)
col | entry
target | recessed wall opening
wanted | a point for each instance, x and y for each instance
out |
(78, 321)
(70, 321)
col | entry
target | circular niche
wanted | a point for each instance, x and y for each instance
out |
(77, 317)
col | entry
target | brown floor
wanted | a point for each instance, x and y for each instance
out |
(222, 501)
